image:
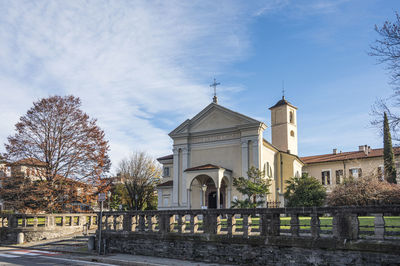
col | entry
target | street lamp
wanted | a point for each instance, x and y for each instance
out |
(203, 188)
(109, 200)
(136, 199)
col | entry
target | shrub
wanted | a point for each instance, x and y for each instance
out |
(304, 191)
(368, 190)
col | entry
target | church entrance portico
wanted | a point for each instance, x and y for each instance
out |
(209, 187)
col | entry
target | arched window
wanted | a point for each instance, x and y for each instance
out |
(291, 117)
(292, 133)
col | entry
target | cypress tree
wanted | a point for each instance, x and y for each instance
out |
(388, 157)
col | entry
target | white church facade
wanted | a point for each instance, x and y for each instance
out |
(219, 144)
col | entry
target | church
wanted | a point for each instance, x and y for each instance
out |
(218, 144)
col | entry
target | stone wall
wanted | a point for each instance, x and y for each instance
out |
(228, 235)
(255, 251)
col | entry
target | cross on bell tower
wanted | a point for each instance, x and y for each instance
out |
(214, 85)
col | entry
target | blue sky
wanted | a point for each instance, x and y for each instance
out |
(143, 67)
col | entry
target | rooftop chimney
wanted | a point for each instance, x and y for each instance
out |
(364, 148)
(335, 151)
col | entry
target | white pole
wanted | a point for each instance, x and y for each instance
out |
(101, 219)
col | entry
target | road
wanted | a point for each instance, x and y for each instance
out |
(13, 256)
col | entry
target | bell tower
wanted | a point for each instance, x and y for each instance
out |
(284, 126)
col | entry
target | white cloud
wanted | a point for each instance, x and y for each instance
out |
(129, 61)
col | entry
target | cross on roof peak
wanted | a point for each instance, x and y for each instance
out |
(214, 85)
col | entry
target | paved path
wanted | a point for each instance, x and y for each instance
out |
(15, 256)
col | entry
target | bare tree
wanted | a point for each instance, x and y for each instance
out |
(66, 151)
(387, 51)
(140, 174)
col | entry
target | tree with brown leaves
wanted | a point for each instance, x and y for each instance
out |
(68, 148)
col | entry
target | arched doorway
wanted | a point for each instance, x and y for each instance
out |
(212, 200)
(203, 193)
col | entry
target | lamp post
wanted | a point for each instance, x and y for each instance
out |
(203, 203)
(109, 200)
(136, 199)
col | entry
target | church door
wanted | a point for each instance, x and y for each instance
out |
(212, 200)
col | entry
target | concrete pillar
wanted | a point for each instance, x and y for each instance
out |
(228, 196)
(20, 238)
(218, 197)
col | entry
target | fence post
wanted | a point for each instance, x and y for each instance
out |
(270, 224)
(379, 223)
(294, 224)
(127, 222)
(315, 225)
(246, 225)
(345, 225)
(210, 222)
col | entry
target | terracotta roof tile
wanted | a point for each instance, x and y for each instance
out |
(167, 157)
(29, 161)
(205, 167)
(283, 102)
(352, 155)
(166, 184)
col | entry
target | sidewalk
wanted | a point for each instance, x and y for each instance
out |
(70, 252)
(126, 259)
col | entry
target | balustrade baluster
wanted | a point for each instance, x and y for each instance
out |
(134, 223)
(181, 223)
(151, 223)
(115, 222)
(231, 224)
(194, 223)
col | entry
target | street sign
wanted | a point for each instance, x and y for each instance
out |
(102, 196)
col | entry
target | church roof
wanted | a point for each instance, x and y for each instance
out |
(282, 102)
(206, 167)
(246, 120)
(166, 184)
(166, 157)
(352, 155)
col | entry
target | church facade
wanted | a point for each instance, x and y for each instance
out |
(219, 144)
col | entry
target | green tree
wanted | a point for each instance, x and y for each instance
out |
(119, 197)
(140, 175)
(304, 191)
(255, 187)
(388, 157)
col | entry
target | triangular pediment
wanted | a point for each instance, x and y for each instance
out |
(213, 117)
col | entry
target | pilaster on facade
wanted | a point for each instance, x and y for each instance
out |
(245, 157)
(256, 152)
(185, 165)
(175, 187)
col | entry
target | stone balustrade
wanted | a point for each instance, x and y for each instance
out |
(44, 226)
(340, 222)
(334, 236)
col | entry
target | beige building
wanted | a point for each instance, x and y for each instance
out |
(219, 144)
(330, 169)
